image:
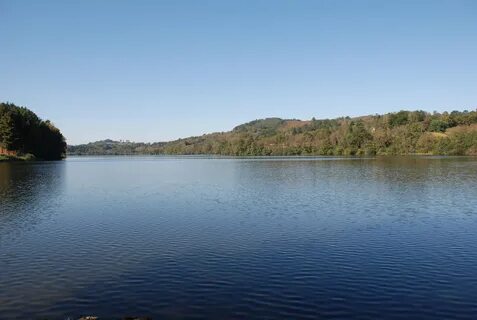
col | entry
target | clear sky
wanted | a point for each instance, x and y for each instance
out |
(159, 70)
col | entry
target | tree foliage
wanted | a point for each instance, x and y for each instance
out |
(23, 131)
(404, 132)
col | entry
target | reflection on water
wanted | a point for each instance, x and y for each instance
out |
(239, 238)
(29, 193)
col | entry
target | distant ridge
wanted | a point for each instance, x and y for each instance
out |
(398, 133)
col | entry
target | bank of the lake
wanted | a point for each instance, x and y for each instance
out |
(28, 157)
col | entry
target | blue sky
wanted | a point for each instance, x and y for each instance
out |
(159, 70)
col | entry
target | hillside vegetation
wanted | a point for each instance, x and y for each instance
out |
(403, 132)
(23, 135)
(111, 147)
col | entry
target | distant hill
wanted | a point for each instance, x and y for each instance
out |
(111, 147)
(403, 132)
(24, 135)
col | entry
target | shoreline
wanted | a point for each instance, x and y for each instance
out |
(202, 155)
(7, 158)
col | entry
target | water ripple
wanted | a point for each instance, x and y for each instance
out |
(186, 238)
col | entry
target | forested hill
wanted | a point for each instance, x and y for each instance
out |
(403, 132)
(24, 134)
(111, 147)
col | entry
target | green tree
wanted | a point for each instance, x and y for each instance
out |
(23, 131)
(398, 119)
(438, 125)
(8, 137)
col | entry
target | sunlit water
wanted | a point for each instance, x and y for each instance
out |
(239, 238)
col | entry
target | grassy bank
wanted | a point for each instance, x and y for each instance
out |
(26, 157)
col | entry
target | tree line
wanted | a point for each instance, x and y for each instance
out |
(23, 132)
(399, 133)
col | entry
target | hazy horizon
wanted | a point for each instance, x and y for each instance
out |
(152, 71)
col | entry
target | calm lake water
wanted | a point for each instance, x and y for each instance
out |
(289, 238)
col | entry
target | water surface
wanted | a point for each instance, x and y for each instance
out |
(279, 238)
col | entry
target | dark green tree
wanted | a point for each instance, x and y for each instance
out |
(8, 137)
(23, 131)
(438, 125)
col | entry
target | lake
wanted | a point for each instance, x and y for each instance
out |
(242, 238)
